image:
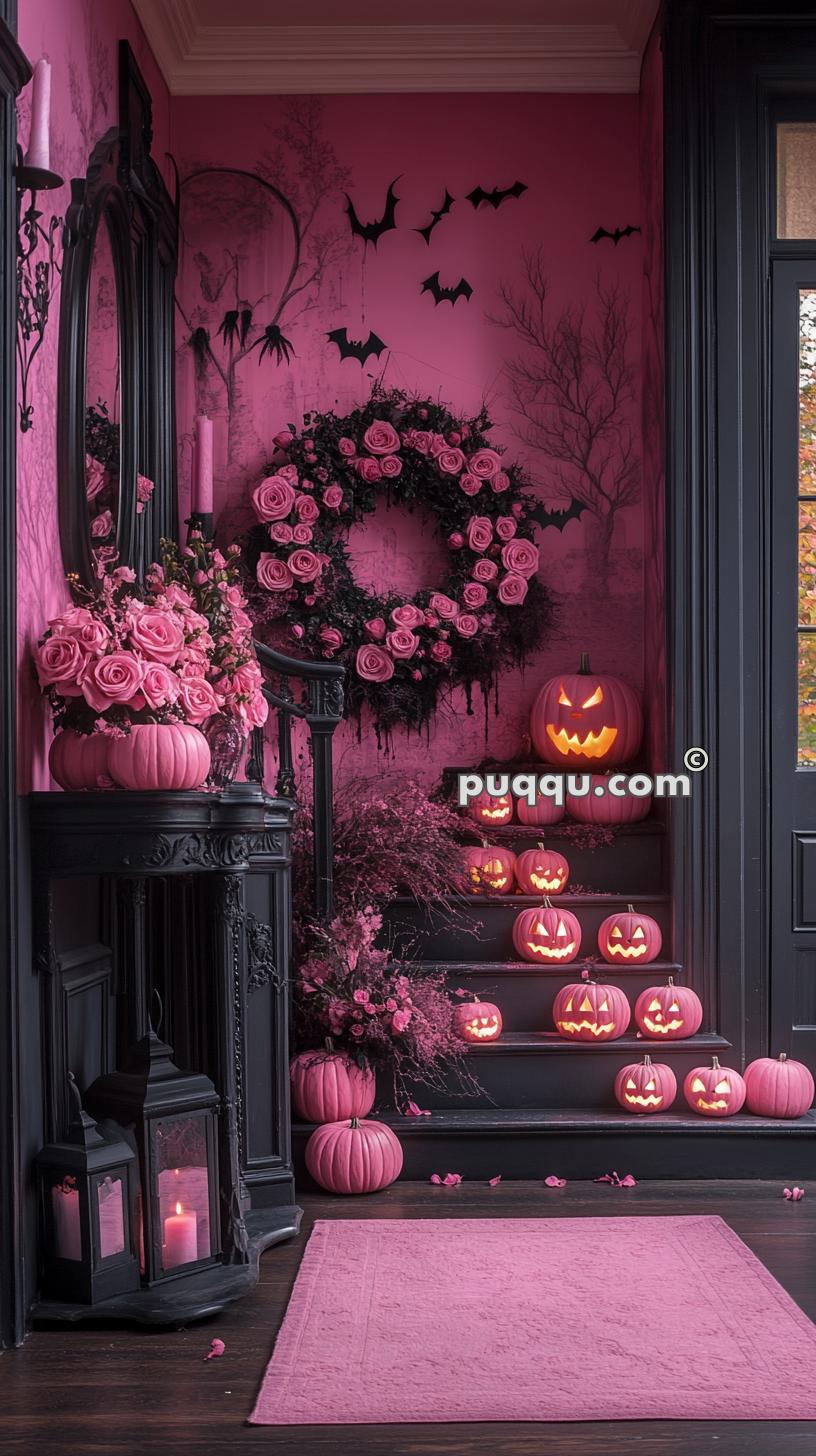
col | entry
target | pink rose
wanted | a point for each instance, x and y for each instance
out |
(381, 438)
(60, 660)
(91, 634)
(331, 638)
(479, 533)
(474, 594)
(297, 631)
(256, 711)
(470, 483)
(506, 528)
(444, 606)
(281, 531)
(307, 484)
(369, 471)
(391, 467)
(375, 629)
(499, 482)
(247, 678)
(305, 565)
(421, 441)
(402, 642)
(332, 497)
(287, 473)
(407, 616)
(307, 509)
(144, 490)
(521, 557)
(485, 464)
(273, 498)
(431, 619)
(197, 699)
(346, 447)
(450, 461)
(301, 534)
(441, 652)
(467, 625)
(454, 438)
(485, 570)
(512, 589)
(112, 679)
(272, 573)
(373, 664)
(157, 635)
(438, 444)
(96, 477)
(282, 439)
(159, 685)
(400, 1020)
(102, 525)
(456, 540)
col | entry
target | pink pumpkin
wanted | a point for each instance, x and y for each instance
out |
(714, 1091)
(586, 719)
(606, 808)
(777, 1087)
(80, 760)
(591, 1011)
(354, 1157)
(491, 809)
(329, 1087)
(541, 872)
(167, 756)
(544, 811)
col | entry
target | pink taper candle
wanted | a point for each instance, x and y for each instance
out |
(203, 477)
(39, 145)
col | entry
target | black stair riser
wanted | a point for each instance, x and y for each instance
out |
(614, 868)
(525, 1001)
(492, 920)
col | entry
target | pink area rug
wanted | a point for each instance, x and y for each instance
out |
(565, 1319)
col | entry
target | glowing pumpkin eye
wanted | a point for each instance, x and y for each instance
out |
(562, 929)
(597, 697)
(604, 1006)
(674, 1007)
(698, 1085)
(541, 929)
(654, 1005)
(615, 934)
(722, 1087)
(586, 1004)
(638, 933)
(650, 1086)
(631, 1085)
(568, 1006)
(563, 699)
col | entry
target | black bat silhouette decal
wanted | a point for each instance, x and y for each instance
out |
(446, 295)
(436, 216)
(615, 236)
(371, 232)
(497, 196)
(353, 349)
(543, 515)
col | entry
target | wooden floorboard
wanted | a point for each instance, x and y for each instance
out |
(117, 1391)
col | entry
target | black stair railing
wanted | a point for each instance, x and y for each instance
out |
(321, 708)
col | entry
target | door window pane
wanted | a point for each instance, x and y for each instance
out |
(796, 179)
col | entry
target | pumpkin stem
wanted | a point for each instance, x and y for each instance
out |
(647, 1061)
(715, 1064)
(584, 669)
(547, 903)
(631, 909)
(329, 1044)
(783, 1056)
(540, 844)
(670, 981)
(355, 1122)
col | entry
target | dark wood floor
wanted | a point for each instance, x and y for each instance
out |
(120, 1391)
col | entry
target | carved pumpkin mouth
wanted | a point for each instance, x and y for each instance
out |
(653, 1099)
(483, 1027)
(496, 882)
(592, 745)
(501, 812)
(598, 1028)
(541, 882)
(552, 952)
(661, 1026)
(718, 1105)
(626, 952)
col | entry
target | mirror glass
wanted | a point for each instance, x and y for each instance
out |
(102, 399)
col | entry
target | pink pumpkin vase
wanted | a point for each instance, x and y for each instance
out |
(160, 756)
(354, 1157)
(80, 760)
(330, 1087)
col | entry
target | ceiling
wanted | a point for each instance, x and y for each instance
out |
(267, 47)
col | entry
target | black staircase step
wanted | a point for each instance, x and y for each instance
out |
(705, 1044)
(525, 993)
(634, 858)
(578, 1143)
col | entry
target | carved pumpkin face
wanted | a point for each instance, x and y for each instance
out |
(591, 1012)
(489, 870)
(646, 1086)
(477, 1021)
(541, 872)
(546, 935)
(668, 1012)
(491, 809)
(627, 938)
(714, 1091)
(586, 718)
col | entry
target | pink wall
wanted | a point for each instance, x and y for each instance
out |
(80, 39)
(578, 156)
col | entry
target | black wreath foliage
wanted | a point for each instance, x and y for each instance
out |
(329, 615)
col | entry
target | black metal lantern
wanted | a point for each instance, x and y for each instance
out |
(172, 1118)
(88, 1185)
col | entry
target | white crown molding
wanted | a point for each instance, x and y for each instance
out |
(251, 60)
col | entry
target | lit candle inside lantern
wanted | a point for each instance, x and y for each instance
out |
(39, 148)
(203, 466)
(67, 1231)
(180, 1238)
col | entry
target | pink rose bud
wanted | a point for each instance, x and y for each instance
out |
(456, 540)
(517, 508)
(454, 438)
(422, 414)
(297, 632)
(283, 438)
(417, 676)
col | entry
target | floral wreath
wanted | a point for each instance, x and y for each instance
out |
(401, 653)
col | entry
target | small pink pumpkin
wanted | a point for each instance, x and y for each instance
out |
(80, 760)
(714, 1091)
(167, 756)
(544, 811)
(328, 1086)
(777, 1087)
(354, 1157)
(491, 809)
(606, 808)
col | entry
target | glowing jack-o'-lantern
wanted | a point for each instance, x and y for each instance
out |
(541, 872)
(591, 1011)
(477, 1021)
(646, 1086)
(547, 935)
(777, 1087)
(714, 1091)
(586, 718)
(491, 809)
(489, 870)
(668, 1012)
(626, 937)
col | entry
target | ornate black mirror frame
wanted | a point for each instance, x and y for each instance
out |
(123, 190)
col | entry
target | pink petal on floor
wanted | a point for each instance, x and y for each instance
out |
(491, 1182)
(435, 1178)
(450, 1180)
(554, 1182)
(628, 1182)
(217, 1347)
(413, 1111)
(606, 1178)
